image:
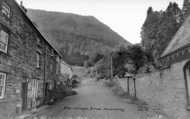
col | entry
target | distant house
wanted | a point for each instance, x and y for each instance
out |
(29, 64)
(66, 71)
(102, 68)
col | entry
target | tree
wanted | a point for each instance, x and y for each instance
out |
(94, 59)
(159, 29)
(130, 60)
(138, 57)
(120, 58)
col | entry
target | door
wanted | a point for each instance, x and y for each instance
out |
(33, 89)
(24, 95)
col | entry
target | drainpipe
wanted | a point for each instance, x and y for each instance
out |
(44, 81)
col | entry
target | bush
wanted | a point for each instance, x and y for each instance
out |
(58, 93)
(75, 83)
(75, 80)
(110, 83)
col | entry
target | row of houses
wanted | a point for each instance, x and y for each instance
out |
(29, 64)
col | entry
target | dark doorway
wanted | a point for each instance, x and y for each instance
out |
(24, 95)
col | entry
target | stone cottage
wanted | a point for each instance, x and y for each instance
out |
(29, 65)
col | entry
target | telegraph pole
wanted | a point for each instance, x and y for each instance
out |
(111, 66)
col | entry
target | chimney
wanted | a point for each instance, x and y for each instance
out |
(186, 9)
(22, 7)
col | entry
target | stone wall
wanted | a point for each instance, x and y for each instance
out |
(166, 90)
(163, 91)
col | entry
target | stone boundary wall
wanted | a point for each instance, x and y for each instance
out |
(127, 88)
(163, 89)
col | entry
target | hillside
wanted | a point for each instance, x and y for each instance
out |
(76, 37)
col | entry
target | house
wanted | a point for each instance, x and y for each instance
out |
(29, 64)
(66, 72)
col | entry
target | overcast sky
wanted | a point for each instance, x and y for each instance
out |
(123, 16)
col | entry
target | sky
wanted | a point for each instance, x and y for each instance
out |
(125, 17)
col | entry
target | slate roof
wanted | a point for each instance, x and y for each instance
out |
(180, 39)
(43, 35)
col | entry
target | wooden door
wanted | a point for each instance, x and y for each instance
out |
(24, 95)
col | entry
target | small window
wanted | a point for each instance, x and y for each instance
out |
(4, 37)
(2, 85)
(52, 52)
(38, 60)
(51, 67)
(6, 10)
(38, 41)
(57, 65)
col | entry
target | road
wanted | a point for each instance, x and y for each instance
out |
(93, 101)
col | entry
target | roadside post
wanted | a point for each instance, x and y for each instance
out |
(131, 84)
(135, 95)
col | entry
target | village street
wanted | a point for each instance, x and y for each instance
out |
(93, 101)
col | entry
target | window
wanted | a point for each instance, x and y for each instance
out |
(38, 41)
(52, 52)
(57, 65)
(38, 60)
(6, 9)
(4, 36)
(51, 67)
(2, 85)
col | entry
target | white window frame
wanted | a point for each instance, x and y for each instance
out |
(4, 41)
(38, 41)
(6, 10)
(2, 83)
(37, 59)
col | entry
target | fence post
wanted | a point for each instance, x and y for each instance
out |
(128, 89)
(134, 86)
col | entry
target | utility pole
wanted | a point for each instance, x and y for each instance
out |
(111, 66)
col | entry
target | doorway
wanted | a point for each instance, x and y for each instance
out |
(24, 95)
(187, 82)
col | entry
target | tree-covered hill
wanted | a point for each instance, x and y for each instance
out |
(77, 37)
(160, 27)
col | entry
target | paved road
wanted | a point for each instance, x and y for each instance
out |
(93, 101)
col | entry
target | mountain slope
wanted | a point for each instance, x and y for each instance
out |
(76, 37)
